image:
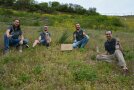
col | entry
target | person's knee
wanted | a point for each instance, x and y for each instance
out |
(36, 41)
(86, 38)
(25, 41)
(118, 51)
(97, 57)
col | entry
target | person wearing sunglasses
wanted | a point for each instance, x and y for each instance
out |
(113, 52)
(44, 38)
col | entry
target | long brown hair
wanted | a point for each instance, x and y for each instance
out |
(14, 25)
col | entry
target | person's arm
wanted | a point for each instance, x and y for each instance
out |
(48, 38)
(21, 39)
(39, 38)
(84, 33)
(8, 33)
(74, 36)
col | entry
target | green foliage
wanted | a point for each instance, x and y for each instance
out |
(73, 70)
(24, 77)
(129, 56)
(65, 20)
(44, 7)
(93, 57)
(1, 87)
(37, 69)
(6, 12)
(10, 58)
(7, 3)
(82, 71)
(64, 37)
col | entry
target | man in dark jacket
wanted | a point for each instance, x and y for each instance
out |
(113, 51)
(44, 38)
(14, 37)
(80, 37)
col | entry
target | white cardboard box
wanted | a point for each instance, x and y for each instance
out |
(65, 47)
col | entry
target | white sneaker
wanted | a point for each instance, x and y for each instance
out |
(20, 49)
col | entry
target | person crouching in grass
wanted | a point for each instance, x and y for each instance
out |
(44, 38)
(14, 37)
(80, 37)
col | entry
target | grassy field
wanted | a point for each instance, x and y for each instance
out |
(40, 68)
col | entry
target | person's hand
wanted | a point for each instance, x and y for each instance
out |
(75, 41)
(9, 36)
(87, 36)
(48, 41)
(21, 42)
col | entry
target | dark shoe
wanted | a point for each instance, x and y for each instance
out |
(27, 46)
(47, 45)
(6, 51)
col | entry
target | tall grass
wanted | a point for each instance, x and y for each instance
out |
(65, 35)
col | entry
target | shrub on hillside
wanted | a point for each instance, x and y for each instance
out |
(6, 12)
(82, 71)
(64, 37)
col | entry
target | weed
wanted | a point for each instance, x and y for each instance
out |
(24, 77)
(64, 37)
(37, 69)
(83, 71)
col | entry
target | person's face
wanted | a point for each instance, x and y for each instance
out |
(45, 28)
(16, 23)
(77, 26)
(108, 35)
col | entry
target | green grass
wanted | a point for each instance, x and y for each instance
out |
(40, 68)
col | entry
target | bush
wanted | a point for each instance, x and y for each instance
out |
(6, 12)
(24, 77)
(37, 69)
(64, 37)
(82, 71)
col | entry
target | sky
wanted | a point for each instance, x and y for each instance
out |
(105, 7)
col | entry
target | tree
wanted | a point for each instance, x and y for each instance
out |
(55, 5)
(43, 6)
(92, 11)
(6, 3)
(24, 4)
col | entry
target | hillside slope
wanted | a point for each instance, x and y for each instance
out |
(40, 68)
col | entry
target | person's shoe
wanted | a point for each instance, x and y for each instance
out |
(6, 51)
(27, 46)
(125, 72)
(20, 49)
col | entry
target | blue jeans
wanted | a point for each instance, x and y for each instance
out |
(9, 41)
(44, 42)
(81, 43)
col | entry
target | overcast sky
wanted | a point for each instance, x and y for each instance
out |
(115, 7)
